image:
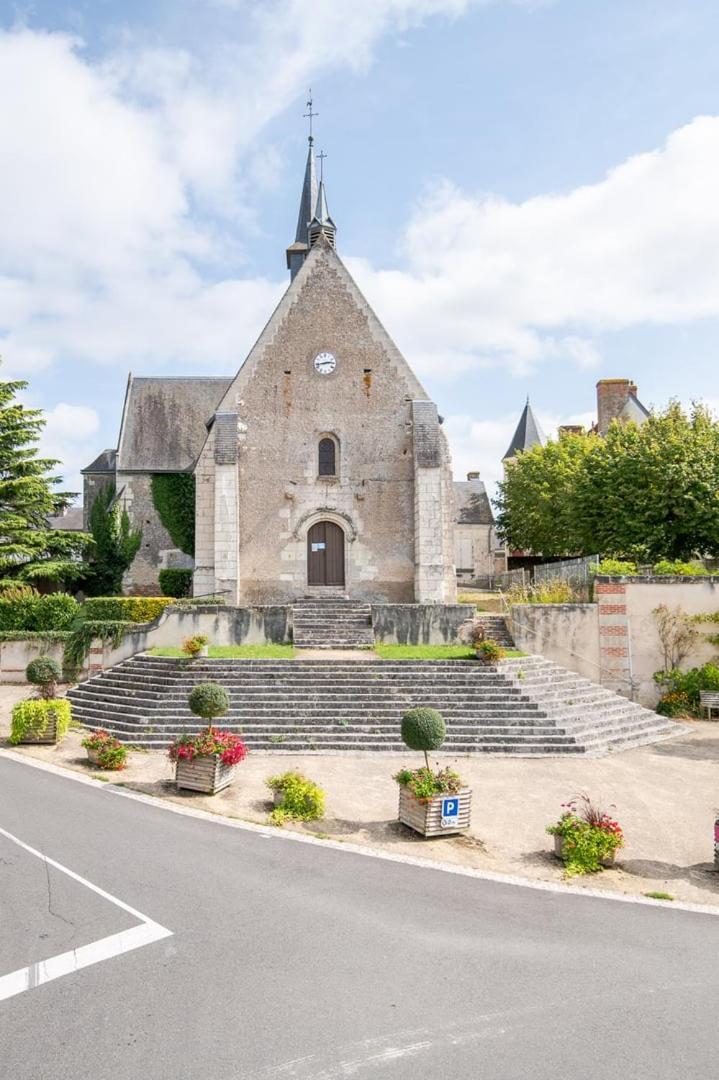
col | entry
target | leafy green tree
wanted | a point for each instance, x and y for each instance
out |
(116, 544)
(30, 550)
(646, 493)
(536, 499)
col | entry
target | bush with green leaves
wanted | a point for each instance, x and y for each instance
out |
(31, 719)
(115, 546)
(489, 651)
(26, 609)
(676, 568)
(301, 799)
(423, 729)
(588, 836)
(425, 784)
(173, 495)
(176, 582)
(137, 609)
(208, 700)
(682, 689)
(615, 568)
(44, 673)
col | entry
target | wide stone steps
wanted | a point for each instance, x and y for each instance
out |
(520, 707)
(332, 624)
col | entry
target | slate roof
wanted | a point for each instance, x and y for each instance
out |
(70, 521)
(103, 463)
(163, 422)
(471, 503)
(634, 410)
(527, 434)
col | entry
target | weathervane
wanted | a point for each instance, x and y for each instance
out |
(309, 114)
(321, 158)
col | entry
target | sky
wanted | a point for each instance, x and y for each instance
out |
(527, 191)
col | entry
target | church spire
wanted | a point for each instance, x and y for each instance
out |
(297, 252)
(322, 224)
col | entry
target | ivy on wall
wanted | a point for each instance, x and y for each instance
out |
(174, 497)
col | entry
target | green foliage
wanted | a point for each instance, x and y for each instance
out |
(585, 847)
(676, 568)
(193, 646)
(425, 784)
(41, 636)
(29, 549)
(554, 591)
(45, 673)
(30, 611)
(111, 753)
(137, 609)
(116, 545)
(174, 497)
(646, 493)
(677, 633)
(616, 568)
(489, 652)
(78, 643)
(683, 689)
(176, 582)
(302, 799)
(30, 719)
(208, 701)
(423, 729)
(659, 895)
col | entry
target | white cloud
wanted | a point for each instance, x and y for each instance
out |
(70, 436)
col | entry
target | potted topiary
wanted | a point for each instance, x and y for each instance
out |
(586, 837)
(44, 718)
(206, 762)
(105, 750)
(195, 646)
(431, 803)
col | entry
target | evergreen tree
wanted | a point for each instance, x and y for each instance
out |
(30, 550)
(116, 544)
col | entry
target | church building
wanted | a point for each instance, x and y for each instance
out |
(321, 467)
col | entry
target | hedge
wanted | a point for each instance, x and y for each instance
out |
(130, 608)
(35, 635)
(54, 611)
(175, 582)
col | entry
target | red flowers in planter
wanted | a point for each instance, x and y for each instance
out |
(209, 743)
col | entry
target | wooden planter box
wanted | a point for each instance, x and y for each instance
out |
(607, 861)
(49, 735)
(425, 817)
(206, 774)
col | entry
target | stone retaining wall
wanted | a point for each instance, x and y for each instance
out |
(419, 624)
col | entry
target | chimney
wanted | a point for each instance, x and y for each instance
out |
(612, 396)
(570, 429)
(473, 475)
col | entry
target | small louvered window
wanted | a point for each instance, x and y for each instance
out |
(327, 458)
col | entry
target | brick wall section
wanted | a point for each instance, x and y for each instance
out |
(614, 653)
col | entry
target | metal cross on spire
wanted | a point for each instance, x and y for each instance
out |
(321, 158)
(309, 114)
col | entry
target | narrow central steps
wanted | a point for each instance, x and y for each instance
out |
(326, 705)
(332, 623)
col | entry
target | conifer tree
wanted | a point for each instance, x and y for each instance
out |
(30, 550)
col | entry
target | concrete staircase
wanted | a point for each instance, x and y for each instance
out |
(329, 706)
(495, 627)
(332, 623)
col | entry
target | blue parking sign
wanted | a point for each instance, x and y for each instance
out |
(450, 812)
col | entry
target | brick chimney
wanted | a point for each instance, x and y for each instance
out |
(473, 475)
(570, 429)
(612, 396)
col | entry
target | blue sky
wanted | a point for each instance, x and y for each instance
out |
(525, 191)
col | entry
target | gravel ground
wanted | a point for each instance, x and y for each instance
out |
(665, 796)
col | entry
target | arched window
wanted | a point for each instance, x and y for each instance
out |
(327, 457)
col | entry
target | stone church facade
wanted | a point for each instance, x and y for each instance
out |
(321, 467)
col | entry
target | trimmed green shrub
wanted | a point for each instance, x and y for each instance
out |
(423, 729)
(45, 673)
(175, 582)
(208, 701)
(31, 611)
(30, 719)
(137, 609)
(670, 568)
(44, 636)
(615, 568)
(302, 799)
(174, 497)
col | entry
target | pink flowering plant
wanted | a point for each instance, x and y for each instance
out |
(589, 835)
(209, 743)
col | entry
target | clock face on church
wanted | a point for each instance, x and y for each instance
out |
(325, 363)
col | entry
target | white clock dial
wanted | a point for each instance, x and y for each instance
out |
(325, 363)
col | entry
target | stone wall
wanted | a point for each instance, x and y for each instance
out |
(157, 550)
(16, 655)
(567, 634)
(419, 624)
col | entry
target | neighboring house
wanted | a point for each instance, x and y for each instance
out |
(477, 551)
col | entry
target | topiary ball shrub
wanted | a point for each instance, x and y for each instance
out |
(45, 673)
(423, 729)
(208, 700)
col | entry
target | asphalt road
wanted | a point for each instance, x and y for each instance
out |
(298, 962)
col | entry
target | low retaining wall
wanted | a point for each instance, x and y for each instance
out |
(16, 655)
(567, 634)
(419, 624)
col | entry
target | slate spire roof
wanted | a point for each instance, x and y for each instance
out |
(528, 433)
(322, 223)
(308, 199)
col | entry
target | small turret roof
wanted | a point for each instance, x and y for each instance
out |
(527, 434)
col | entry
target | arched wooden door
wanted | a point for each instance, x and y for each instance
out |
(325, 554)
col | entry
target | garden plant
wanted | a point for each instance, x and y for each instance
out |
(586, 836)
(105, 750)
(45, 718)
(296, 797)
(422, 790)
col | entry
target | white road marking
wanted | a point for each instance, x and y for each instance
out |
(28, 978)
(356, 849)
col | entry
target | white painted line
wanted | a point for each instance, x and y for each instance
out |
(43, 971)
(368, 853)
